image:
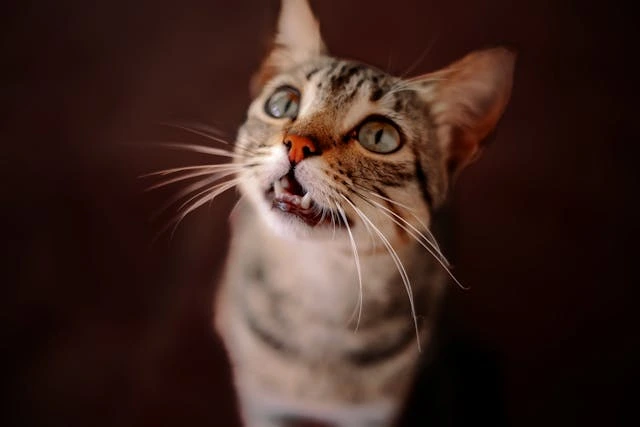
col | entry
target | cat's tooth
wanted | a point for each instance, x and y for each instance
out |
(284, 182)
(306, 201)
(277, 188)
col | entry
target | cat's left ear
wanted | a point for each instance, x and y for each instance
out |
(297, 40)
(466, 101)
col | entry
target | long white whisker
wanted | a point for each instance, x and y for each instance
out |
(389, 213)
(373, 193)
(195, 167)
(202, 149)
(206, 132)
(374, 244)
(203, 127)
(183, 193)
(432, 239)
(216, 135)
(194, 129)
(354, 248)
(236, 206)
(397, 261)
(207, 190)
(333, 223)
(417, 235)
(213, 193)
(216, 175)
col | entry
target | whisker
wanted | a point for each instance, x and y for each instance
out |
(374, 244)
(188, 190)
(422, 56)
(432, 239)
(397, 261)
(205, 131)
(433, 250)
(202, 149)
(434, 245)
(373, 193)
(207, 190)
(236, 206)
(183, 193)
(333, 223)
(202, 130)
(190, 126)
(215, 135)
(214, 174)
(212, 194)
(366, 226)
(197, 167)
(354, 248)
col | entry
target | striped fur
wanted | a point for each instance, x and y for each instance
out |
(316, 319)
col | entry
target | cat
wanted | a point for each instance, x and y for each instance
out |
(333, 279)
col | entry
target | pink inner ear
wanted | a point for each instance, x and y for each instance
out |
(470, 97)
(462, 151)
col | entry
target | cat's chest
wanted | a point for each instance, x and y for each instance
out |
(310, 294)
(326, 279)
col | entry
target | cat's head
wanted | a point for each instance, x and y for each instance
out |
(330, 141)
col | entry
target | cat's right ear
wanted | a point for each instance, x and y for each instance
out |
(297, 40)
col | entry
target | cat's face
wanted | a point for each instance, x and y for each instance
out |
(329, 143)
(330, 135)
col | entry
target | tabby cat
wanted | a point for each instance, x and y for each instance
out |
(333, 279)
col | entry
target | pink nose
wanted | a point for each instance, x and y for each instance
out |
(300, 147)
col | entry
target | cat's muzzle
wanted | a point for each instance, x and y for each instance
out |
(288, 196)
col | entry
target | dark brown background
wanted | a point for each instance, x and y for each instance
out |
(101, 327)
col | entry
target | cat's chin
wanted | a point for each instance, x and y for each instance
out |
(291, 227)
(288, 219)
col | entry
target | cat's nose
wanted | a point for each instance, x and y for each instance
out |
(300, 147)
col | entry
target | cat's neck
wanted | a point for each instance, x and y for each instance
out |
(310, 279)
(327, 267)
(333, 241)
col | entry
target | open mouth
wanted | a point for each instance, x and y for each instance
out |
(288, 196)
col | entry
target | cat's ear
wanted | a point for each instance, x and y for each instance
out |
(297, 40)
(467, 99)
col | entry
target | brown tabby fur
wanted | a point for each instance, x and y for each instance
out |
(319, 323)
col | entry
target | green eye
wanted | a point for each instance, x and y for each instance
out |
(379, 137)
(283, 103)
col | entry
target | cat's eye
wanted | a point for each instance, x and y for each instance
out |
(379, 137)
(283, 103)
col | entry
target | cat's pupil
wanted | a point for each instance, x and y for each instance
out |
(378, 136)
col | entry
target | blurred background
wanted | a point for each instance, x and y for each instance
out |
(102, 325)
